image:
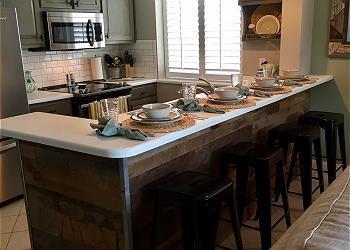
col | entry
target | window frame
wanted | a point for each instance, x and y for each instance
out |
(201, 40)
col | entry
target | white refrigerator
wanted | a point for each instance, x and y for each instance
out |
(13, 101)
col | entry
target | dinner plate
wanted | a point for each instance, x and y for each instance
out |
(268, 25)
(237, 99)
(216, 97)
(142, 119)
(256, 86)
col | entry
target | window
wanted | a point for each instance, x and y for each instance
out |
(202, 37)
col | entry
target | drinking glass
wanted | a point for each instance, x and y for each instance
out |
(236, 79)
(110, 107)
(268, 70)
(189, 90)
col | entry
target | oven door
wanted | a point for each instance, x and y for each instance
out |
(68, 31)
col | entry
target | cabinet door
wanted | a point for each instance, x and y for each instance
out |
(56, 4)
(94, 5)
(60, 107)
(29, 22)
(119, 21)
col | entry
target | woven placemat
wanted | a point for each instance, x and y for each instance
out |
(274, 91)
(186, 122)
(237, 105)
(308, 81)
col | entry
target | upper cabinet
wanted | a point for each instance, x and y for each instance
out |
(72, 5)
(29, 21)
(119, 21)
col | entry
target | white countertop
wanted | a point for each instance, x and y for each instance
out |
(75, 133)
(46, 96)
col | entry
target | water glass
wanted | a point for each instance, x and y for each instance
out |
(236, 79)
(268, 70)
(189, 90)
(110, 107)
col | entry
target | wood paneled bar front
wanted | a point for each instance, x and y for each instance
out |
(79, 200)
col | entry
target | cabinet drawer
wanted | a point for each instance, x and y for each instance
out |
(136, 104)
(144, 91)
(60, 107)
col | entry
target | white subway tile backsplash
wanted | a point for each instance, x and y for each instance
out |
(49, 67)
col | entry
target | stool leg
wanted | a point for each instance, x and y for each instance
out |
(156, 220)
(342, 146)
(241, 187)
(263, 191)
(306, 174)
(285, 145)
(292, 167)
(283, 189)
(318, 154)
(207, 231)
(187, 230)
(331, 149)
(231, 200)
(224, 166)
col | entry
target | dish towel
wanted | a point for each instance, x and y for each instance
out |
(123, 104)
(243, 90)
(108, 126)
(192, 105)
(95, 110)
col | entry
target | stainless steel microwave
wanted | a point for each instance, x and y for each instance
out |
(71, 30)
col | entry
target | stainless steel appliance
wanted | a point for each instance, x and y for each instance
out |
(70, 30)
(13, 102)
(90, 91)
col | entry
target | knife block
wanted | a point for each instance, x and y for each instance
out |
(127, 71)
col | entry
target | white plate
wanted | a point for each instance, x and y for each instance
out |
(268, 25)
(216, 97)
(256, 86)
(237, 99)
(142, 119)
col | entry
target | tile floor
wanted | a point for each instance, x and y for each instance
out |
(15, 236)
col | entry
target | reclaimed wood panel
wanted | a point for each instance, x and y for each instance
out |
(198, 152)
(75, 200)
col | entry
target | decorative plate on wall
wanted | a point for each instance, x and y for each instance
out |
(267, 25)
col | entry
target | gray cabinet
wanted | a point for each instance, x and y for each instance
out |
(119, 21)
(72, 5)
(59, 107)
(29, 21)
(143, 94)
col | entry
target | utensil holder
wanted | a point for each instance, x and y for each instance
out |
(113, 73)
(127, 71)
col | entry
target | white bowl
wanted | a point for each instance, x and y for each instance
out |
(291, 73)
(157, 110)
(226, 92)
(265, 82)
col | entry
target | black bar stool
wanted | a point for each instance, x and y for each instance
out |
(303, 137)
(261, 158)
(330, 122)
(200, 198)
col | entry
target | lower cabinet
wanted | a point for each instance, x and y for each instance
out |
(143, 94)
(59, 107)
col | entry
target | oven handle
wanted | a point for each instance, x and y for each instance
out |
(87, 105)
(92, 39)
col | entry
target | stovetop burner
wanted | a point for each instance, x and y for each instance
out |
(87, 88)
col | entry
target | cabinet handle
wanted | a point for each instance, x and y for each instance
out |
(107, 36)
(77, 3)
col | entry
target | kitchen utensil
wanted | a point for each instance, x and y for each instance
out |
(157, 110)
(265, 82)
(109, 61)
(226, 92)
(206, 81)
(268, 25)
(189, 90)
(236, 79)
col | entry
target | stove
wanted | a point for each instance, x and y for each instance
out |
(90, 91)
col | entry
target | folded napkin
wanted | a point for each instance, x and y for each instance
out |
(243, 90)
(108, 126)
(192, 105)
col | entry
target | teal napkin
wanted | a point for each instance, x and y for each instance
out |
(192, 105)
(243, 90)
(108, 126)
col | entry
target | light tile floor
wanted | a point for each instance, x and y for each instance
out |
(15, 236)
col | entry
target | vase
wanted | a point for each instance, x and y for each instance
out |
(30, 82)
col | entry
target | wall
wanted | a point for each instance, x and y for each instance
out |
(335, 96)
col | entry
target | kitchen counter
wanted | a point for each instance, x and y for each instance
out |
(46, 129)
(46, 96)
(98, 193)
